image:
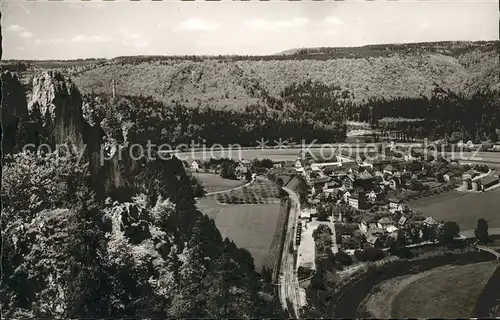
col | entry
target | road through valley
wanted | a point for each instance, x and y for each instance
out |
(288, 281)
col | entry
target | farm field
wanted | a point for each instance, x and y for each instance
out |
(261, 191)
(252, 227)
(449, 291)
(446, 293)
(462, 207)
(213, 183)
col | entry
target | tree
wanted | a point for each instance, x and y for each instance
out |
(481, 231)
(198, 190)
(227, 170)
(279, 182)
(318, 280)
(343, 258)
(248, 175)
(450, 231)
(416, 185)
(455, 137)
(302, 188)
(323, 212)
(267, 163)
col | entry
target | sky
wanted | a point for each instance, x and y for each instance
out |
(69, 30)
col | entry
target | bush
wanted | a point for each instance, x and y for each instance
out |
(372, 254)
(358, 254)
(402, 252)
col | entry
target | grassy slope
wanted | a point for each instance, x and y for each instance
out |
(252, 227)
(447, 293)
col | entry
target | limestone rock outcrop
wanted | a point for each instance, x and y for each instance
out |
(55, 106)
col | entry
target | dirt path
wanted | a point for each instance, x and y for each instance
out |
(232, 189)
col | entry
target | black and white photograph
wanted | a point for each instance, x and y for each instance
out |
(250, 159)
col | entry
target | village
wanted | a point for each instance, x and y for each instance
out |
(350, 204)
(363, 201)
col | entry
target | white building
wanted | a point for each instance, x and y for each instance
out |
(196, 165)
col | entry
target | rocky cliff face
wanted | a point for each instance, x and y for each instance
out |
(55, 106)
(54, 114)
(14, 112)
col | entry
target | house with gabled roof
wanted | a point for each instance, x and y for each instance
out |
(470, 174)
(196, 164)
(447, 176)
(392, 229)
(395, 183)
(395, 205)
(486, 181)
(346, 196)
(384, 222)
(374, 241)
(372, 196)
(364, 225)
(389, 169)
(348, 182)
(331, 186)
(319, 183)
(241, 172)
(365, 175)
(364, 181)
(430, 222)
(402, 221)
(300, 163)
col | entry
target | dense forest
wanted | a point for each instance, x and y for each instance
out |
(445, 114)
(321, 114)
(152, 120)
(71, 250)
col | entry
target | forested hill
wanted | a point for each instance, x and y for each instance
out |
(237, 82)
(449, 48)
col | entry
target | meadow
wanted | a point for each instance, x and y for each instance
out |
(252, 227)
(447, 293)
(465, 208)
(214, 183)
